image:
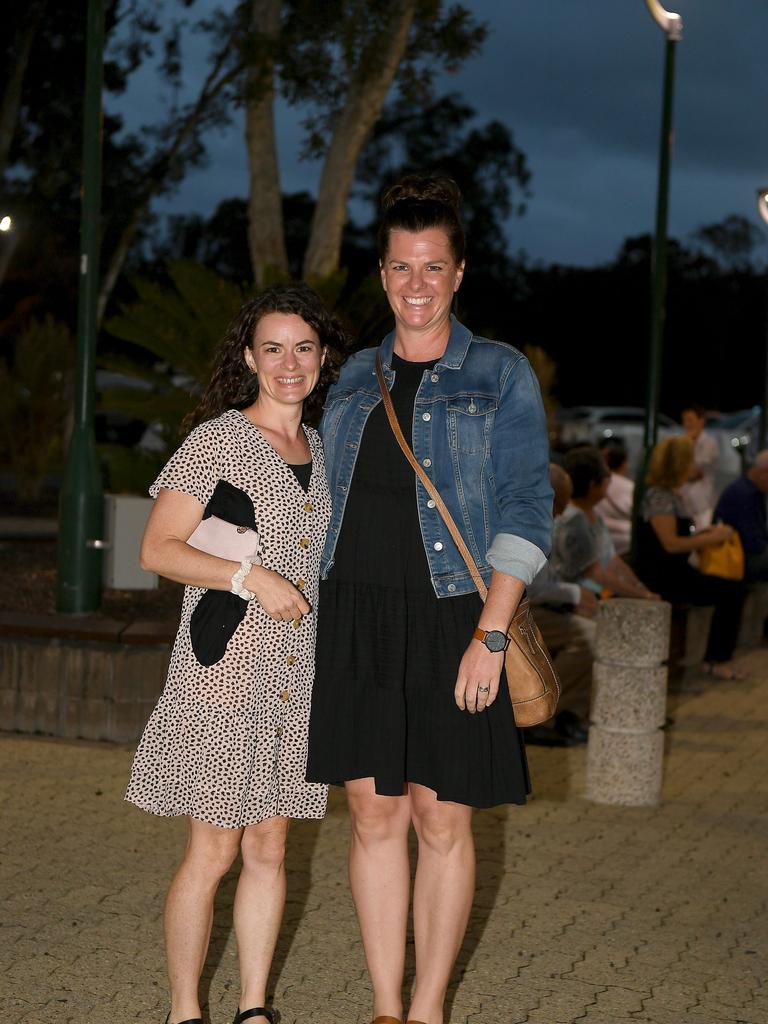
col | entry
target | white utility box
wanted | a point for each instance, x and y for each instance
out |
(125, 517)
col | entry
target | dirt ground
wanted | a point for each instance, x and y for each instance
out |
(28, 584)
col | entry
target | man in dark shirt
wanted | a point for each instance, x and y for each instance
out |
(742, 505)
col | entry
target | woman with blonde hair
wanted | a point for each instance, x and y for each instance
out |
(666, 540)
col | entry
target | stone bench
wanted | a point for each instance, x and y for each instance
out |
(81, 677)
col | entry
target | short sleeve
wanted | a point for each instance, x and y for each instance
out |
(194, 469)
(574, 548)
(659, 501)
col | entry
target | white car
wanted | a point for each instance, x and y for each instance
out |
(593, 424)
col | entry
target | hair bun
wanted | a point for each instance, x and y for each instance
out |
(421, 188)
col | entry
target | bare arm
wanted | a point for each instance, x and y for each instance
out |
(164, 550)
(665, 528)
(618, 581)
(480, 667)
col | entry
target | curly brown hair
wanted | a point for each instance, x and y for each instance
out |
(671, 461)
(234, 386)
(418, 203)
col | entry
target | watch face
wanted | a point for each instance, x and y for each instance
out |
(495, 640)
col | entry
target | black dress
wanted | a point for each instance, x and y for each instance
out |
(678, 582)
(388, 649)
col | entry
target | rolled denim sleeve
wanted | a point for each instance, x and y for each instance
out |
(520, 459)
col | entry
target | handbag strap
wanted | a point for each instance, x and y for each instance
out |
(430, 488)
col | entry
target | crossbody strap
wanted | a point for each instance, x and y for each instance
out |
(428, 485)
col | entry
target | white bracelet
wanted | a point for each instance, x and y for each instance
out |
(236, 583)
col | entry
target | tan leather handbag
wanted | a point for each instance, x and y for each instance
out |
(533, 685)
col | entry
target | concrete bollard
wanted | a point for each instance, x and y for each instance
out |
(629, 700)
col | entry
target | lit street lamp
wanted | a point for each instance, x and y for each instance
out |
(672, 26)
(8, 242)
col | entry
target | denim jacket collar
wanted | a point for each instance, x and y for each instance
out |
(452, 358)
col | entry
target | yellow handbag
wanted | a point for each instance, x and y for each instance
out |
(726, 559)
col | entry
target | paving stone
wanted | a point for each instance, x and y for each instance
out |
(586, 913)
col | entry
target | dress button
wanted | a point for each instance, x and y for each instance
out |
(426, 416)
(279, 731)
(290, 660)
(300, 584)
(426, 462)
(308, 506)
(285, 695)
(451, 587)
(304, 543)
(435, 378)
(438, 546)
(431, 503)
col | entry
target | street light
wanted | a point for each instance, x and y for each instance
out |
(762, 209)
(670, 23)
(9, 243)
(672, 26)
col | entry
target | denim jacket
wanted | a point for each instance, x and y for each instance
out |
(480, 432)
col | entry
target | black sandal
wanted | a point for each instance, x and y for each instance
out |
(258, 1011)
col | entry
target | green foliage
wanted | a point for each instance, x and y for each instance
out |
(35, 382)
(346, 38)
(178, 325)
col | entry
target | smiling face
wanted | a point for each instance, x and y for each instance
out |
(420, 276)
(287, 356)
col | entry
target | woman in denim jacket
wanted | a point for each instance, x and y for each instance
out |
(410, 708)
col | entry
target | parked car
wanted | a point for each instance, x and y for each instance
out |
(592, 424)
(737, 434)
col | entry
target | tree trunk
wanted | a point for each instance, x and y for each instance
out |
(9, 109)
(266, 235)
(363, 105)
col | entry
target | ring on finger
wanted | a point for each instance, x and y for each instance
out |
(483, 689)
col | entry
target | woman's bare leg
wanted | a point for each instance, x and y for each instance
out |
(442, 896)
(189, 910)
(379, 875)
(259, 905)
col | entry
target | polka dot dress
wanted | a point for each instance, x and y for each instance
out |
(227, 743)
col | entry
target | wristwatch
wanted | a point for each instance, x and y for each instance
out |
(494, 639)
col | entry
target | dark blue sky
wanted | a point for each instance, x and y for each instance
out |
(578, 82)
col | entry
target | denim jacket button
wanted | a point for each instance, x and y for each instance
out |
(431, 503)
(438, 546)
(426, 416)
(426, 462)
(435, 378)
(451, 587)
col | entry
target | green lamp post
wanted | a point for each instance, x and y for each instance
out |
(81, 501)
(672, 26)
(762, 209)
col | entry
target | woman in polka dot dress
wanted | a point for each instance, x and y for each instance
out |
(227, 743)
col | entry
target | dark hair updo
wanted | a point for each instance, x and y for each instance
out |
(419, 203)
(234, 386)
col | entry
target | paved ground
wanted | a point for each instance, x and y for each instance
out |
(584, 913)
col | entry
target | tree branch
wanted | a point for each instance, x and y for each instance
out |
(365, 99)
(11, 102)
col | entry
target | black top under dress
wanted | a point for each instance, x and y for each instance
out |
(388, 649)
